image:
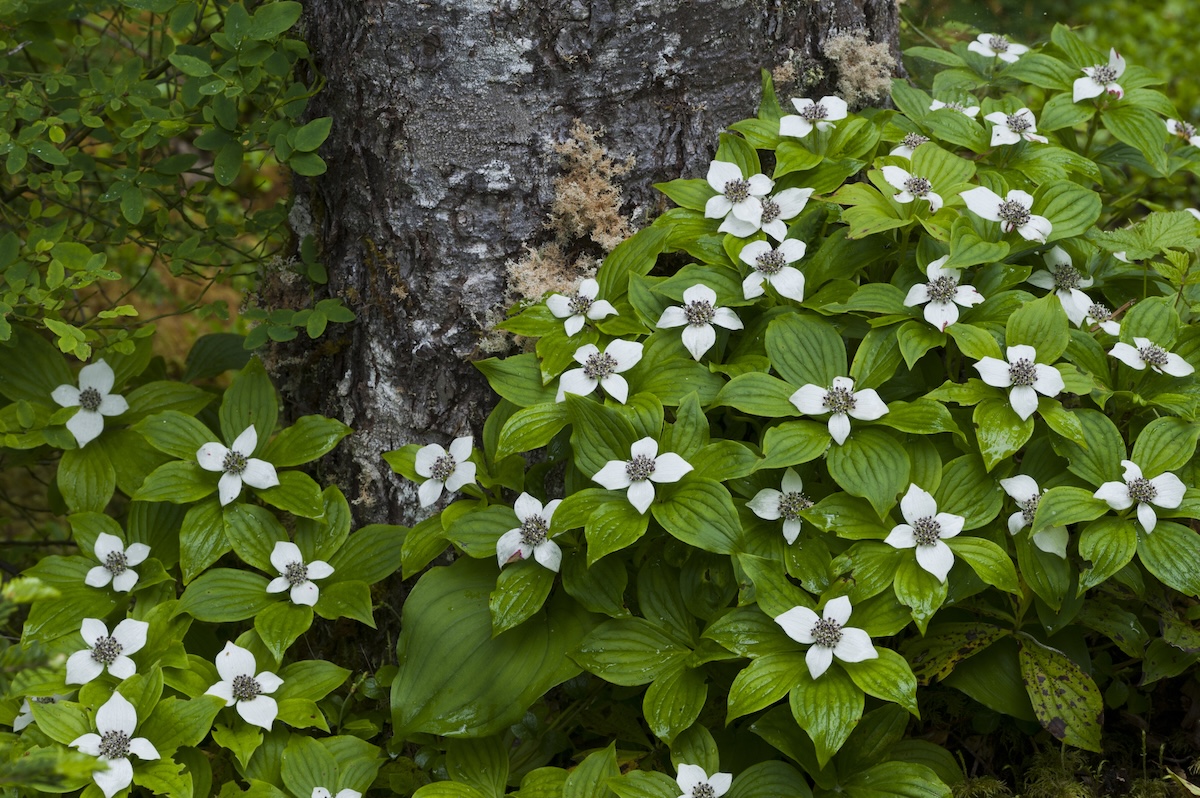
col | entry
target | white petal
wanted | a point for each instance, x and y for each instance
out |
(600, 309)
(616, 386)
(136, 554)
(1116, 62)
(868, 406)
(839, 427)
(66, 395)
(1116, 494)
(548, 510)
(98, 375)
(143, 748)
(116, 714)
(950, 524)
(641, 495)
(1052, 540)
(1016, 522)
(982, 49)
(131, 634)
(1002, 135)
(791, 482)
(797, 623)
(984, 202)
(791, 530)
(717, 207)
(81, 668)
(122, 667)
(319, 569)
(838, 610)
(753, 250)
(508, 546)
(788, 282)
(999, 117)
(765, 504)
(1022, 487)
(584, 352)
(690, 777)
(720, 783)
(722, 172)
(321, 792)
(573, 324)
(752, 286)
(1086, 88)
(92, 629)
(934, 200)
(98, 576)
(669, 467)
(423, 463)
(229, 487)
(222, 689)
(809, 399)
(460, 449)
(1038, 228)
(305, 594)
(234, 661)
(672, 317)
(115, 778)
(1176, 366)
(259, 474)
(575, 381)
(1170, 490)
(112, 405)
(463, 474)
(895, 176)
(760, 185)
(792, 125)
(549, 555)
(791, 201)
(916, 504)
(87, 744)
(284, 554)
(1024, 401)
(645, 447)
(699, 339)
(430, 491)
(937, 559)
(967, 296)
(86, 426)
(526, 507)
(994, 372)
(247, 442)
(613, 476)
(268, 682)
(700, 293)
(741, 229)
(901, 537)
(1049, 381)
(278, 585)
(559, 305)
(724, 317)
(1147, 516)
(917, 295)
(749, 210)
(855, 646)
(941, 314)
(818, 659)
(903, 197)
(589, 287)
(259, 711)
(1128, 355)
(835, 107)
(125, 582)
(626, 353)
(793, 249)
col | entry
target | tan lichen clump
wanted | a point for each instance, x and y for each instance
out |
(864, 70)
(587, 200)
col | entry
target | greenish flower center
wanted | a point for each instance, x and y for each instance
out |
(640, 468)
(1141, 490)
(245, 688)
(1154, 355)
(1185, 130)
(927, 531)
(699, 313)
(1022, 372)
(737, 190)
(814, 112)
(1029, 508)
(235, 463)
(827, 633)
(1099, 313)
(1104, 74)
(917, 186)
(998, 44)
(839, 400)
(1014, 213)
(770, 211)
(443, 467)
(89, 399)
(771, 262)
(1066, 277)
(956, 107)
(599, 366)
(943, 289)
(296, 573)
(116, 563)
(1018, 123)
(106, 650)
(534, 530)
(914, 140)
(580, 304)
(114, 745)
(793, 503)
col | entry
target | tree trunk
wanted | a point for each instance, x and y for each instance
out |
(442, 170)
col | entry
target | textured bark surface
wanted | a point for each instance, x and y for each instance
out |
(441, 169)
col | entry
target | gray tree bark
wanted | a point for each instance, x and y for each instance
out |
(441, 170)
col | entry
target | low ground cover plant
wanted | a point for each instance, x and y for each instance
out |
(887, 431)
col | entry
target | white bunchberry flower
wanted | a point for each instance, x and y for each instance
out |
(580, 306)
(776, 210)
(1066, 281)
(771, 267)
(116, 720)
(296, 574)
(810, 114)
(697, 316)
(532, 537)
(1165, 490)
(827, 635)
(994, 45)
(1146, 353)
(25, 713)
(909, 143)
(1011, 128)
(1184, 130)
(644, 466)
(601, 369)
(321, 792)
(771, 505)
(942, 294)
(911, 187)
(240, 686)
(94, 400)
(1099, 315)
(842, 402)
(737, 195)
(1024, 375)
(696, 783)
(1012, 211)
(1194, 212)
(926, 530)
(116, 563)
(237, 464)
(1101, 78)
(1024, 491)
(450, 470)
(105, 651)
(970, 111)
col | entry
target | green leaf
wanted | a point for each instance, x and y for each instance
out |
(599, 434)
(36, 373)
(201, 538)
(700, 513)
(481, 763)
(936, 55)
(228, 163)
(174, 723)
(968, 249)
(63, 722)
(1154, 318)
(805, 349)
(886, 677)
(1100, 462)
(615, 525)
(162, 395)
(521, 590)
(1108, 545)
(253, 532)
(1041, 324)
(346, 599)
(871, 464)
(895, 780)
(988, 561)
(634, 255)
(215, 354)
(310, 679)
(280, 624)
(1065, 505)
(692, 194)
(306, 440)
(1170, 553)
(178, 482)
(792, 443)
(769, 779)
(767, 679)
(312, 135)
(629, 651)
(250, 401)
(369, 555)
(827, 708)
(945, 645)
(225, 594)
(1043, 71)
(1065, 700)
(590, 778)
(1165, 444)
(673, 701)
(296, 493)
(920, 417)
(133, 204)
(531, 428)
(305, 765)
(273, 19)
(918, 590)
(1071, 208)
(975, 342)
(86, 478)
(916, 338)
(759, 394)
(190, 65)
(1140, 128)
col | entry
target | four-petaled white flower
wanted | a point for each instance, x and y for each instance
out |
(942, 294)
(237, 464)
(842, 402)
(1194, 212)
(116, 720)
(810, 114)
(1184, 130)
(1066, 281)
(94, 400)
(776, 209)
(909, 143)
(827, 635)
(967, 110)
(116, 563)
(532, 537)
(25, 713)
(1165, 490)
(1012, 211)
(771, 267)
(1011, 128)
(911, 187)
(601, 369)
(771, 505)
(1099, 315)
(644, 467)
(105, 651)
(1024, 375)
(321, 792)
(926, 530)
(1101, 78)
(240, 686)
(1146, 353)
(580, 306)
(737, 195)
(699, 313)
(1024, 491)
(696, 783)
(297, 574)
(994, 45)
(450, 470)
